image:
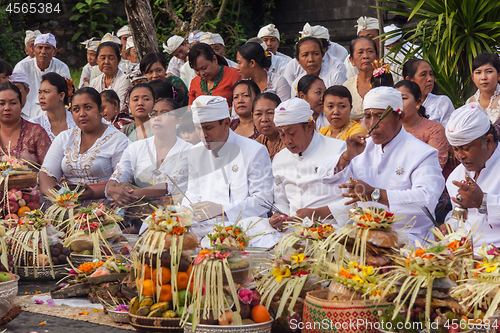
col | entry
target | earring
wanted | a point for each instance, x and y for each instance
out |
(60, 100)
(418, 107)
(177, 126)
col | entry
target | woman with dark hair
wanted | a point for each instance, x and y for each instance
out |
(53, 96)
(112, 77)
(86, 154)
(20, 138)
(5, 71)
(213, 76)
(154, 67)
(363, 52)
(337, 106)
(111, 110)
(244, 93)
(263, 117)
(309, 53)
(486, 74)
(437, 107)
(415, 122)
(252, 60)
(311, 88)
(142, 100)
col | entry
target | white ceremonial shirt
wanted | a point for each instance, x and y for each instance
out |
(44, 121)
(407, 169)
(86, 73)
(93, 166)
(187, 74)
(321, 121)
(25, 59)
(278, 64)
(231, 63)
(438, 108)
(34, 74)
(337, 51)
(126, 65)
(487, 224)
(331, 76)
(138, 164)
(94, 72)
(31, 111)
(121, 85)
(351, 70)
(279, 54)
(279, 85)
(240, 179)
(174, 66)
(293, 70)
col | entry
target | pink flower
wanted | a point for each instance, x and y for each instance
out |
(38, 301)
(245, 295)
(493, 252)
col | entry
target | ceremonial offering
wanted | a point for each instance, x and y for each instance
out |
(63, 201)
(15, 173)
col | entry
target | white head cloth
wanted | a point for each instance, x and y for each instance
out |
(194, 37)
(31, 35)
(269, 31)
(395, 37)
(259, 41)
(467, 124)
(111, 38)
(367, 23)
(48, 39)
(125, 30)
(292, 111)
(91, 44)
(211, 39)
(172, 44)
(19, 77)
(130, 43)
(382, 97)
(134, 73)
(317, 31)
(209, 108)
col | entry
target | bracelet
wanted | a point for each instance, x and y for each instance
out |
(342, 157)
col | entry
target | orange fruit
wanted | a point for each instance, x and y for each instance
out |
(148, 288)
(182, 280)
(259, 314)
(166, 293)
(165, 276)
(23, 210)
(190, 269)
(147, 272)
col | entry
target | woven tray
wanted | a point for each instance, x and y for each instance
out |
(22, 181)
(253, 328)
(155, 324)
(8, 290)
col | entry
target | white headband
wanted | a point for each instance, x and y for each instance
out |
(382, 97)
(394, 36)
(19, 77)
(130, 43)
(292, 111)
(467, 124)
(111, 38)
(211, 39)
(31, 35)
(48, 39)
(125, 30)
(172, 44)
(91, 44)
(209, 108)
(269, 31)
(194, 37)
(367, 23)
(317, 31)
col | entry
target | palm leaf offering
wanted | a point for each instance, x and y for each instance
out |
(63, 201)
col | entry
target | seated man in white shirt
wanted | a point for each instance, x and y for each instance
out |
(29, 110)
(475, 183)
(178, 48)
(43, 63)
(271, 37)
(391, 168)
(29, 42)
(298, 192)
(91, 47)
(124, 33)
(228, 174)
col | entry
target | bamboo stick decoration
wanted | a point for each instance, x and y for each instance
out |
(381, 29)
(385, 114)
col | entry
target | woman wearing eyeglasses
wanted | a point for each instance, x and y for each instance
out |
(152, 164)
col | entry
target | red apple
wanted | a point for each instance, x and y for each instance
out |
(11, 216)
(26, 197)
(13, 206)
(255, 298)
(35, 198)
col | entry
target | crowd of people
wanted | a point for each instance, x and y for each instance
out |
(308, 136)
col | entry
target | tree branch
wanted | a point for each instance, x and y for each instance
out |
(171, 12)
(201, 7)
(222, 8)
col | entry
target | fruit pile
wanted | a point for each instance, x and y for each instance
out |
(59, 254)
(20, 203)
(146, 306)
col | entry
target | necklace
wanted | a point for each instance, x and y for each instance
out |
(111, 84)
(218, 79)
(493, 114)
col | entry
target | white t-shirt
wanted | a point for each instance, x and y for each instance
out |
(174, 66)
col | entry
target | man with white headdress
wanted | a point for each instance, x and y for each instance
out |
(294, 70)
(396, 59)
(297, 189)
(91, 46)
(131, 61)
(123, 33)
(390, 168)
(178, 48)
(217, 44)
(44, 62)
(187, 74)
(271, 37)
(228, 173)
(29, 110)
(475, 183)
(367, 27)
(29, 44)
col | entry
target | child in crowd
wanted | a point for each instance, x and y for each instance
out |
(111, 112)
(91, 46)
(186, 129)
(5, 71)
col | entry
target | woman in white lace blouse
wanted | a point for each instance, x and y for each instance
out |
(153, 163)
(86, 154)
(486, 74)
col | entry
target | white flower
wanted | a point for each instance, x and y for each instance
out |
(457, 235)
(307, 222)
